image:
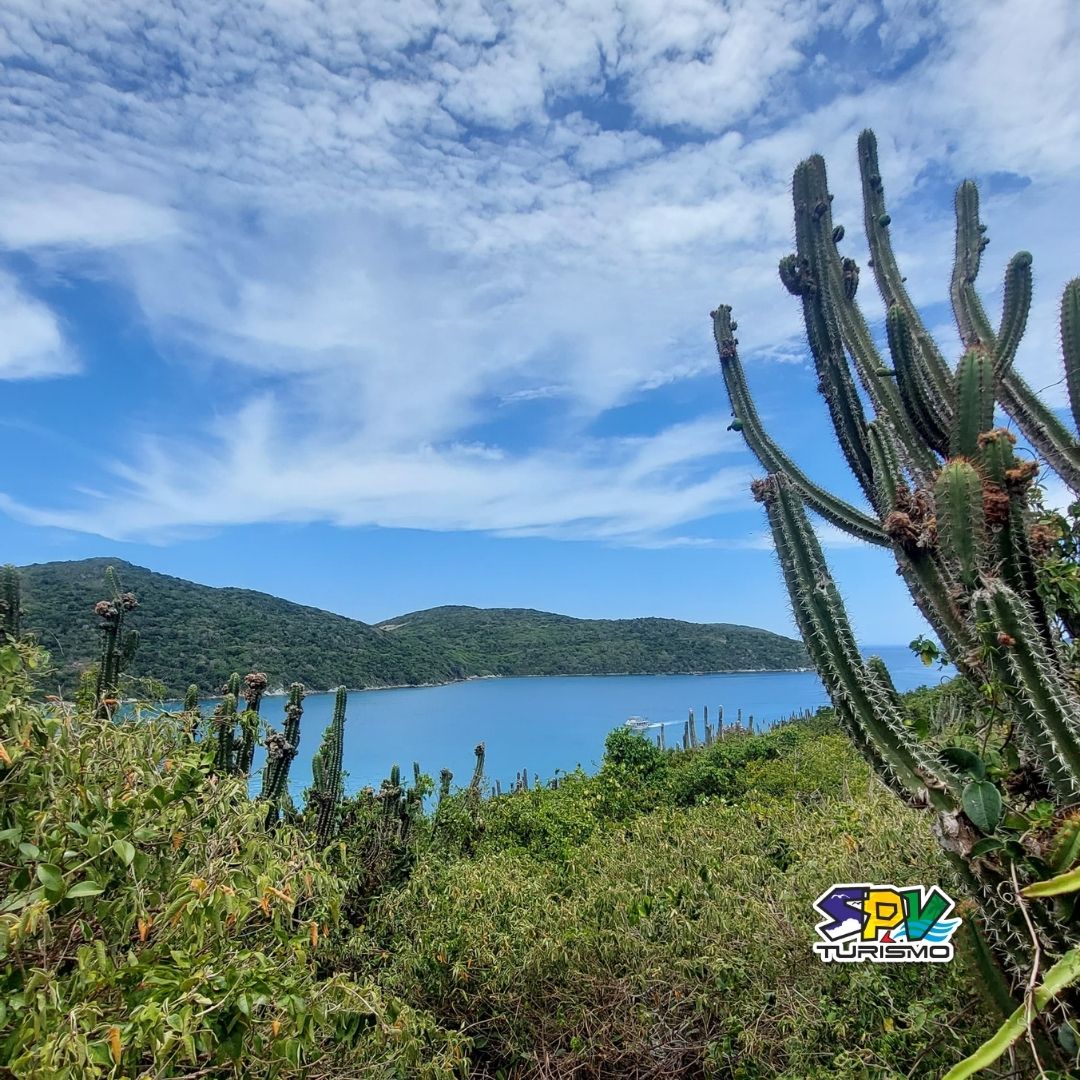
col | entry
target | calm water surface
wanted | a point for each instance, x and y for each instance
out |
(543, 724)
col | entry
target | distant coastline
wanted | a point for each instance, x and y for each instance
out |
(279, 692)
(192, 633)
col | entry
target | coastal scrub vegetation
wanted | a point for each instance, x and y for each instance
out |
(954, 498)
(650, 920)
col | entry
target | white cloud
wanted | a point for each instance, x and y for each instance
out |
(32, 345)
(617, 490)
(393, 216)
(76, 216)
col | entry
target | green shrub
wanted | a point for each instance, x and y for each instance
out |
(149, 924)
(678, 944)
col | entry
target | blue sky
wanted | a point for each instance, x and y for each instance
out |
(387, 305)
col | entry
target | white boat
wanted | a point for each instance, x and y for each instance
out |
(638, 723)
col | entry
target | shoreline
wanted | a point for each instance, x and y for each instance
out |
(279, 692)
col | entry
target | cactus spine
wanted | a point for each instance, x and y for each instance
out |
(949, 497)
(327, 789)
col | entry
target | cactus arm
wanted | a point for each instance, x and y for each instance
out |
(971, 320)
(974, 412)
(958, 498)
(822, 325)
(887, 274)
(828, 636)
(1006, 495)
(328, 789)
(280, 751)
(249, 727)
(1070, 344)
(834, 510)
(1020, 573)
(1041, 427)
(930, 412)
(1050, 709)
(877, 670)
(836, 298)
(883, 457)
(224, 721)
(1015, 307)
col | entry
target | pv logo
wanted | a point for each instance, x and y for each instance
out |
(885, 924)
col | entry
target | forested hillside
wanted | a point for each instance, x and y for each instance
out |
(520, 641)
(195, 633)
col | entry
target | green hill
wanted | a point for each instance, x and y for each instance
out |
(195, 633)
(521, 641)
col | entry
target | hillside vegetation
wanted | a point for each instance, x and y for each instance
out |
(520, 641)
(193, 633)
(653, 920)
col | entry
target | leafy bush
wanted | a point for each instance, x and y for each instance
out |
(676, 945)
(148, 922)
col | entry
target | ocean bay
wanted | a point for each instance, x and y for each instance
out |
(544, 724)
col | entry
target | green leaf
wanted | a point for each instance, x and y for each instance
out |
(985, 846)
(51, 877)
(1055, 886)
(20, 900)
(85, 888)
(125, 849)
(982, 803)
(966, 761)
(1062, 975)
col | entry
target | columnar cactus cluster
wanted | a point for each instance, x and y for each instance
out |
(10, 604)
(224, 725)
(253, 688)
(403, 807)
(950, 496)
(327, 788)
(281, 748)
(117, 647)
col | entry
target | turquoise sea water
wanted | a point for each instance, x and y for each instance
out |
(543, 724)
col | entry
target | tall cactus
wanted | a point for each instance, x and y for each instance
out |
(10, 604)
(326, 771)
(254, 686)
(281, 748)
(225, 730)
(478, 770)
(117, 647)
(191, 709)
(948, 495)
